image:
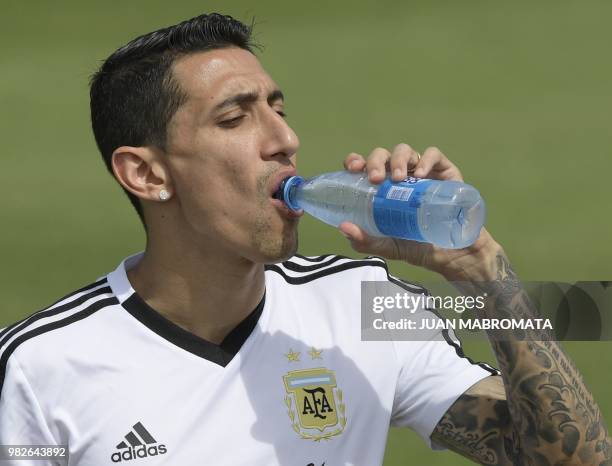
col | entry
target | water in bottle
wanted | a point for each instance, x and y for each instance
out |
(448, 214)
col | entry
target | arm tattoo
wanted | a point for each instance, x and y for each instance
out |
(549, 416)
(477, 428)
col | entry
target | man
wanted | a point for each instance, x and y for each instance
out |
(219, 345)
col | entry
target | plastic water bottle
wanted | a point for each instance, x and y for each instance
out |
(448, 214)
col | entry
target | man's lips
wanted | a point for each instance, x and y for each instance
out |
(278, 179)
(282, 207)
(278, 203)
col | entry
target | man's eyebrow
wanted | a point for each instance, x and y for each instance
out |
(248, 97)
(275, 95)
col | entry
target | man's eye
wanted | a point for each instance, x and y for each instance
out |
(232, 122)
(281, 113)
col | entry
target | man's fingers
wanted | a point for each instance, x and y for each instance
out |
(431, 157)
(357, 237)
(351, 231)
(377, 164)
(354, 162)
(434, 164)
(362, 242)
(403, 161)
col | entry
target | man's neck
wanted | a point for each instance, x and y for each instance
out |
(200, 291)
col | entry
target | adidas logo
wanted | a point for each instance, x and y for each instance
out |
(140, 444)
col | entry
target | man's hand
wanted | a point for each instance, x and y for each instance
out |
(473, 263)
(548, 415)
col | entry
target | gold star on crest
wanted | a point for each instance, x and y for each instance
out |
(315, 353)
(292, 356)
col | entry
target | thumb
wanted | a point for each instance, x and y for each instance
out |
(413, 252)
(362, 242)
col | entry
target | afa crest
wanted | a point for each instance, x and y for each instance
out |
(314, 404)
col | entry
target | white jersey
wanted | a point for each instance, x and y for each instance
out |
(293, 384)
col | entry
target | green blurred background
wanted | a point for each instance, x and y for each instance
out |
(518, 95)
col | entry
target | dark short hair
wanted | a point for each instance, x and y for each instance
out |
(133, 95)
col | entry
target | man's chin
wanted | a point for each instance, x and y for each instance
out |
(281, 250)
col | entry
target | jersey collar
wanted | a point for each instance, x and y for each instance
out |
(220, 354)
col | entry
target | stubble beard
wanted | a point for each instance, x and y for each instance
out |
(275, 247)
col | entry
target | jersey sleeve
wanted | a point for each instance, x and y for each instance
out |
(432, 374)
(21, 420)
(431, 378)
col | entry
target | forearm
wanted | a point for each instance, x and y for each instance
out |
(554, 416)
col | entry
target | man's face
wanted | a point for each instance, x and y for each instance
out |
(228, 149)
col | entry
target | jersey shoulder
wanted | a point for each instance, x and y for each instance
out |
(300, 270)
(41, 335)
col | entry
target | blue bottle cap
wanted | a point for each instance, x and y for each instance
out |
(284, 191)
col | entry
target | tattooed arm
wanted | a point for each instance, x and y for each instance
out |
(478, 425)
(544, 415)
(539, 412)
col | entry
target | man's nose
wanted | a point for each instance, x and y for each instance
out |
(279, 138)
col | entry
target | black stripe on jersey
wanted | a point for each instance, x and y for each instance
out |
(309, 268)
(54, 311)
(69, 295)
(370, 260)
(445, 333)
(408, 286)
(412, 287)
(80, 290)
(314, 259)
(461, 354)
(325, 272)
(89, 310)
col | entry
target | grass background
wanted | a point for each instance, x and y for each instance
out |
(518, 95)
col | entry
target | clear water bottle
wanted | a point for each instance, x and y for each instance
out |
(448, 214)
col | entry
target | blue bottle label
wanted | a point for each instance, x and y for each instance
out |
(396, 205)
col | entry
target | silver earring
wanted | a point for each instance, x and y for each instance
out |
(164, 195)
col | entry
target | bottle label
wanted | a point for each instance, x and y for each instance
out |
(396, 206)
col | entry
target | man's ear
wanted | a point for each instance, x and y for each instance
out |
(141, 171)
